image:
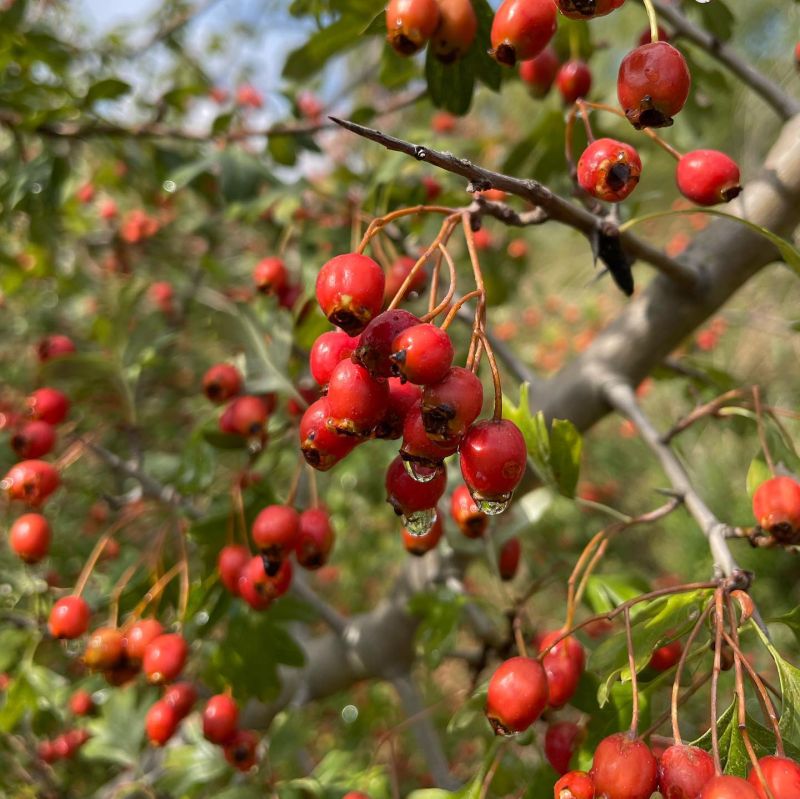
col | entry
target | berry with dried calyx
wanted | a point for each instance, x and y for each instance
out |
(246, 415)
(521, 29)
(357, 402)
(55, 346)
(31, 481)
(410, 23)
(708, 177)
(517, 695)
(420, 544)
(540, 72)
(422, 354)
(574, 785)
(573, 80)
(422, 456)
(471, 520)
(450, 406)
(274, 532)
(29, 537)
(240, 751)
(222, 382)
(776, 507)
(322, 447)
(327, 351)
(48, 405)
(104, 649)
(258, 588)
(374, 351)
(315, 538)
(402, 398)
(609, 170)
(587, 9)
(350, 291)
(456, 30)
(34, 439)
(270, 275)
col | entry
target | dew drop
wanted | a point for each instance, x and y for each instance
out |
(493, 506)
(420, 522)
(420, 472)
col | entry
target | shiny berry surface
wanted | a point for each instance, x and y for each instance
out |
(418, 447)
(539, 73)
(34, 439)
(471, 520)
(560, 742)
(708, 177)
(222, 382)
(521, 29)
(374, 349)
(220, 719)
(164, 658)
(493, 459)
(248, 415)
(564, 664)
(315, 538)
(728, 787)
(137, 637)
(573, 80)
(776, 506)
(160, 722)
(181, 696)
(356, 400)
(407, 495)
(327, 351)
(230, 562)
(322, 447)
(683, 771)
(517, 695)
(29, 537)
(422, 354)
(624, 768)
(48, 405)
(270, 275)
(665, 657)
(450, 406)
(456, 30)
(410, 23)
(574, 785)
(274, 531)
(782, 775)
(587, 9)
(69, 617)
(609, 170)
(350, 291)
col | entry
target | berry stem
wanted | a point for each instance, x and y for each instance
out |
(634, 729)
(574, 43)
(696, 685)
(298, 471)
(757, 407)
(183, 561)
(312, 486)
(587, 125)
(434, 287)
(238, 506)
(119, 587)
(498, 388)
(653, 19)
(382, 221)
(286, 237)
(451, 314)
(519, 637)
(469, 236)
(451, 290)
(94, 556)
(715, 679)
(156, 589)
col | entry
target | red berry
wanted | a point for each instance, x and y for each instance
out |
(54, 347)
(624, 768)
(258, 588)
(508, 559)
(33, 439)
(782, 775)
(46, 752)
(48, 405)
(355, 795)
(247, 415)
(574, 785)
(240, 751)
(450, 406)
(322, 447)
(31, 481)
(138, 636)
(683, 771)
(456, 30)
(350, 291)
(162, 295)
(374, 349)
(164, 658)
(270, 275)
(471, 520)
(75, 739)
(220, 717)
(521, 29)
(609, 170)
(540, 72)
(104, 648)
(560, 742)
(653, 84)
(275, 532)
(357, 401)
(726, 787)
(402, 398)
(493, 461)
(407, 495)
(647, 36)
(587, 9)
(422, 354)
(665, 657)
(222, 382)
(420, 544)
(400, 270)
(410, 23)
(29, 537)
(160, 722)
(423, 456)
(61, 748)
(517, 695)
(327, 351)
(708, 177)
(230, 562)
(81, 703)
(69, 618)
(563, 664)
(776, 507)
(573, 80)
(181, 696)
(314, 538)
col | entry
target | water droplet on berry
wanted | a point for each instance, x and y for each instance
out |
(420, 472)
(420, 522)
(494, 506)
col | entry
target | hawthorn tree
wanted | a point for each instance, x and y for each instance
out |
(543, 250)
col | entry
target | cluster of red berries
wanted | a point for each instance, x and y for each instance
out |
(776, 507)
(63, 746)
(390, 375)
(449, 25)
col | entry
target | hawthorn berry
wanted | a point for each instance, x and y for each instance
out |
(728, 787)
(410, 23)
(450, 406)
(517, 695)
(560, 742)
(471, 520)
(230, 562)
(776, 507)
(420, 544)
(402, 397)
(422, 354)
(521, 29)
(423, 457)
(222, 382)
(327, 351)
(33, 439)
(69, 617)
(321, 446)
(258, 588)
(160, 722)
(683, 771)
(564, 664)
(456, 30)
(493, 460)
(220, 719)
(275, 531)
(350, 291)
(164, 658)
(315, 538)
(138, 636)
(29, 537)
(55, 346)
(270, 275)
(247, 415)
(46, 752)
(407, 495)
(587, 9)
(653, 84)
(31, 481)
(48, 405)
(609, 170)
(181, 696)
(81, 703)
(574, 785)
(357, 401)
(708, 177)
(240, 751)
(508, 559)
(104, 648)
(399, 270)
(665, 657)
(374, 351)
(162, 295)
(781, 774)
(540, 72)
(573, 80)
(624, 768)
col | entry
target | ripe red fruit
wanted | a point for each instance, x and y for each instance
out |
(374, 349)
(314, 538)
(665, 657)
(422, 354)
(247, 415)
(29, 537)
(726, 787)
(75, 739)
(230, 562)
(450, 406)
(407, 495)
(221, 382)
(48, 405)
(270, 275)
(160, 722)
(220, 717)
(274, 532)
(563, 664)
(350, 291)
(81, 703)
(54, 347)
(493, 460)
(402, 398)
(560, 742)
(521, 29)
(423, 456)
(357, 401)
(540, 72)
(410, 23)
(399, 271)
(708, 177)
(624, 768)
(587, 9)
(240, 751)
(33, 439)
(471, 520)
(776, 507)
(258, 588)
(574, 785)
(683, 771)
(322, 447)
(181, 696)
(517, 695)
(456, 30)
(69, 617)
(782, 775)
(327, 351)
(46, 752)
(164, 658)
(138, 636)
(609, 170)
(31, 481)
(653, 84)
(574, 80)
(104, 648)
(508, 559)
(420, 544)
(162, 295)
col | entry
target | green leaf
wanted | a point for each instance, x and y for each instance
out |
(757, 474)
(305, 61)
(440, 613)
(487, 70)
(283, 149)
(450, 85)
(789, 677)
(565, 457)
(118, 733)
(108, 89)
(791, 620)
(716, 18)
(607, 591)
